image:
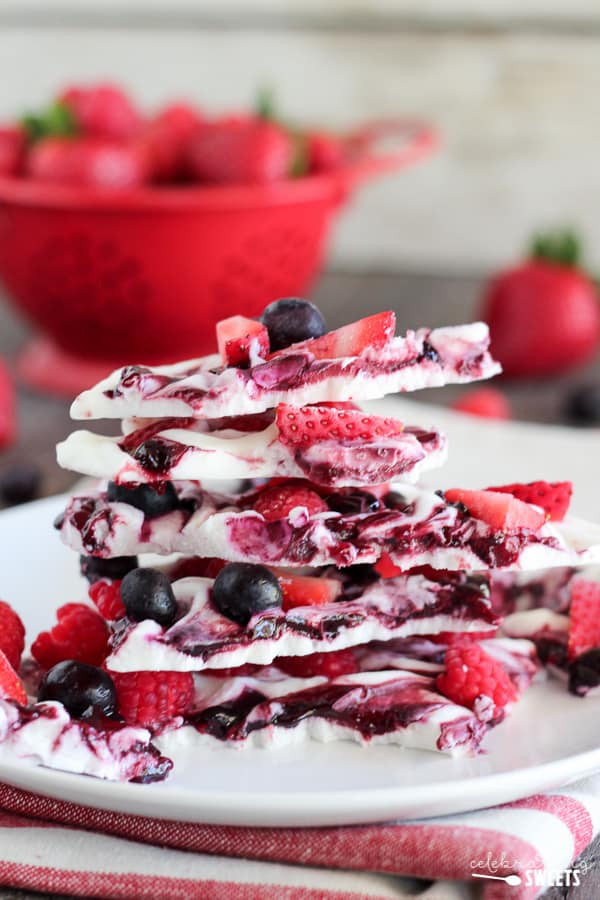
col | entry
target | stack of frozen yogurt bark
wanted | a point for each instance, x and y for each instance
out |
(301, 585)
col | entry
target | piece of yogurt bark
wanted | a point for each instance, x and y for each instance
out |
(380, 610)
(271, 710)
(45, 734)
(412, 525)
(335, 367)
(382, 450)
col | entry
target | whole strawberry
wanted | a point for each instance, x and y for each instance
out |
(240, 151)
(166, 137)
(102, 110)
(12, 149)
(87, 162)
(543, 314)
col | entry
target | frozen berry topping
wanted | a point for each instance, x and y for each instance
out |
(153, 698)
(292, 320)
(277, 502)
(470, 674)
(554, 498)
(80, 634)
(147, 594)
(241, 590)
(85, 691)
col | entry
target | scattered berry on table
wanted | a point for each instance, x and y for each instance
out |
(241, 590)
(153, 500)
(584, 617)
(20, 484)
(12, 635)
(277, 501)
(93, 568)
(487, 403)
(11, 687)
(84, 690)
(106, 597)
(292, 320)
(582, 406)
(470, 673)
(147, 594)
(553, 497)
(500, 511)
(79, 634)
(329, 665)
(8, 407)
(544, 314)
(152, 698)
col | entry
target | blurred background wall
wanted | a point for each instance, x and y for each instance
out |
(513, 86)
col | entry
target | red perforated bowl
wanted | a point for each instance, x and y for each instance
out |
(143, 276)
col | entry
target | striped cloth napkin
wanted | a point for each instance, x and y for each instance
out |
(55, 846)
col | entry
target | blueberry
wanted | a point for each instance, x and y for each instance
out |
(242, 589)
(155, 455)
(582, 406)
(584, 672)
(291, 320)
(152, 500)
(20, 483)
(147, 594)
(93, 568)
(353, 502)
(83, 690)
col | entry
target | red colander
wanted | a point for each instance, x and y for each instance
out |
(144, 275)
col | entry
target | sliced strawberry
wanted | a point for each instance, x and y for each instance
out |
(350, 340)
(236, 336)
(278, 501)
(386, 568)
(502, 511)
(584, 628)
(11, 687)
(304, 590)
(331, 665)
(311, 424)
(553, 497)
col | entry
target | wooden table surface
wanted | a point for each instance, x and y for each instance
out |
(418, 299)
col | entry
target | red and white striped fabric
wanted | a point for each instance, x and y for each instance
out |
(56, 846)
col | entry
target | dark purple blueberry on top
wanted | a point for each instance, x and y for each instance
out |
(353, 502)
(153, 500)
(147, 594)
(582, 405)
(292, 320)
(241, 590)
(584, 672)
(84, 691)
(20, 484)
(93, 568)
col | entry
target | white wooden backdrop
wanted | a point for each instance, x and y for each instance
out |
(514, 86)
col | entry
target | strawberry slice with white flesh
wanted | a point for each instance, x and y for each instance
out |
(241, 340)
(350, 340)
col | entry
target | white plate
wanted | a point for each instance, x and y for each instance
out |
(550, 739)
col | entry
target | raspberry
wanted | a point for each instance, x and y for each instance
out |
(106, 597)
(487, 403)
(584, 629)
(278, 501)
(80, 634)
(470, 673)
(151, 698)
(331, 665)
(451, 638)
(12, 635)
(11, 687)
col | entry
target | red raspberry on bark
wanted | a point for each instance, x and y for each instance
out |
(80, 634)
(278, 501)
(471, 674)
(106, 597)
(12, 635)
(150, 698)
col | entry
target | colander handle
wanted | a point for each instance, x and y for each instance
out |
(412, 141)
